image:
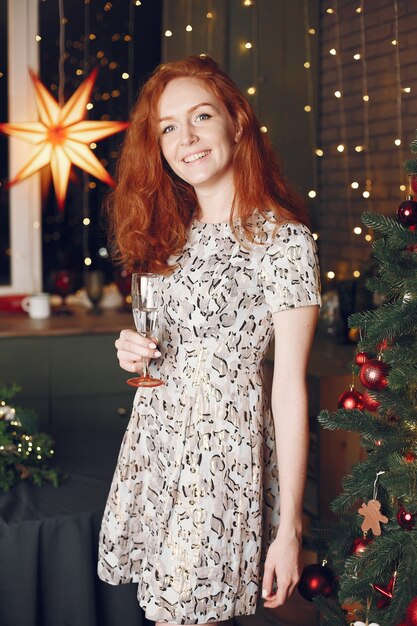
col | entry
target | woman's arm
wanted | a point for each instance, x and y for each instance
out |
(294, 332)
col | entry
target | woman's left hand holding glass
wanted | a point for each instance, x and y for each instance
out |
(283, 564)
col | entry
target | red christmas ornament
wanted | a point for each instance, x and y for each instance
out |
(406, 519)
(407, 212)
(409, 457)
(361, 358)
(373, 374)
(411, 615)
(350, 400)
(370, 404)
(414, 183)
(387, 592)
(316, 579)
(382, 345)
(359, 545)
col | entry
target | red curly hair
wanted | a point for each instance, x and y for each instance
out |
(151, 208)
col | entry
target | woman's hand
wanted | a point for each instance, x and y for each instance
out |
(132, 348)
(283, 562)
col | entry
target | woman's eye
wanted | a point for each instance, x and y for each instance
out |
(167, 129)
(202, 116)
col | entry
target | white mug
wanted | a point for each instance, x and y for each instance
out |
(37, 305)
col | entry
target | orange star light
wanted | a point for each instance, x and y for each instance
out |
(61, 137)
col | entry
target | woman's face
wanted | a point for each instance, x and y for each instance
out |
(197, 134)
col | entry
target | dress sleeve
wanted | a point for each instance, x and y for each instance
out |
(290, 269)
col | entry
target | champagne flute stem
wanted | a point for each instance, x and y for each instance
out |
(145, 367)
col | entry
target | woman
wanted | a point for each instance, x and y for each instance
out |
(194, 506)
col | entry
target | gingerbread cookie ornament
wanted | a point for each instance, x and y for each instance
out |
(373, 517)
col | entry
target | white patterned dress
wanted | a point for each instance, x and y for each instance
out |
(194, 501)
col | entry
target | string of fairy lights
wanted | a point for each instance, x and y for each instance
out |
(82, 66)
(349, 154)
(363, 148)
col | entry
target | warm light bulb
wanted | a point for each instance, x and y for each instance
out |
(209, 15)
(86, 221)
(338, 94)
(354, 185)
(89, 106)
(315, 236)
(125, 75)
(93, 145)
(311, 31)
(307, 65)
(407, 89)
(312, 193)
(329, 10)
(251, 90)
(357, 230)
(394, 42)
(366, 194)
(359, 10)
(247, 3)
(87, 260)
(188, 28)
(333, 51)
(307, 108)
(397, 142)
(358, 148)
(264, 129)
(248, 45)
(340, 147)
(168, 33)
(138, 3)
(319, 152)
(366, 98)
(357, 56)
(36, 224)
(368, 237)
(79, 72)
(403, 187)
(38, 38)
(356, 273)
(331, 275)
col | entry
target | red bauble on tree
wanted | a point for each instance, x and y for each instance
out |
(373, 374)
(359, 545)
(414, 183)
(350, 400)
(361, 358)
(370, 404)
(406, 519)
(316, 579)
(407, 212)
(411, 616)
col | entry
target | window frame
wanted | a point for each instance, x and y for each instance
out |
(25, 197)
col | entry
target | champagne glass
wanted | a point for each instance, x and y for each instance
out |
(146, 307)
(94, 284)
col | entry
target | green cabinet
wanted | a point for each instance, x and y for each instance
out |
(77, 388)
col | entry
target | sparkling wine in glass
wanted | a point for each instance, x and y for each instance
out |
(146, 307)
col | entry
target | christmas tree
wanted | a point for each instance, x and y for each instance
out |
(25, 453)
(369, 573)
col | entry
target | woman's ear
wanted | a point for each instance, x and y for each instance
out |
(238, 133)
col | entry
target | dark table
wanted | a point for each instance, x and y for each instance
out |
(48, 558)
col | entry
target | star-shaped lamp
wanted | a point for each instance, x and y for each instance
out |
(62, 136)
